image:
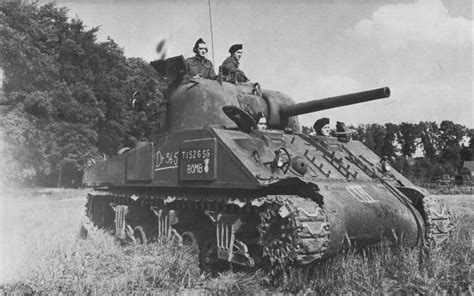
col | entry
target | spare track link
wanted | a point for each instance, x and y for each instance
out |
(294, 231)
(438, 223)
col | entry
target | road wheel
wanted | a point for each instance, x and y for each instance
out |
(208, 258)
(139, 235)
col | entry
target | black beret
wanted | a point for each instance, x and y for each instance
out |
(320, 123)
(234, 48)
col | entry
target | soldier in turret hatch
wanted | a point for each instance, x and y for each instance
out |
(199, 66)
(322, 127)
(344, 133)
(230, 66)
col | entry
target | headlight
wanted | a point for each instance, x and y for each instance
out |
(280, 162)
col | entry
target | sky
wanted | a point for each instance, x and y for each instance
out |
(421, 49)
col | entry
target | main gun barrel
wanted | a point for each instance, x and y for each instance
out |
(333, 102)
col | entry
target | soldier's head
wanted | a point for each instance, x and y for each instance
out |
(236, 51)
(322, 127)
(200, 47)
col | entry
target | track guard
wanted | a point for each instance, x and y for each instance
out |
(120, 222)
(166, 218)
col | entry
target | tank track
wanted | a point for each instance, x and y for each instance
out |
(293, 230)
(438, 223)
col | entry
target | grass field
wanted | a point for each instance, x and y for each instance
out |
(42, 252)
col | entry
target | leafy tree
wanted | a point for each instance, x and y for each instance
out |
(372, 135)
(145, 91)
(467, 151)
(390, 140)
(359, 135)
(67, 94)
(451, 135)
(429, 136)
(440, 144)
(407, 135)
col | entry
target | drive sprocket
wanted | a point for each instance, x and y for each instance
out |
(438, 222)
(294, 231)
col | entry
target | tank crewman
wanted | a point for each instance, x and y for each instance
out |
(199, 66)
(230, 66)
(344, 133)
(322, 127)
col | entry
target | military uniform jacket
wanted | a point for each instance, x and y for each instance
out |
(231, 72)
(203, 67)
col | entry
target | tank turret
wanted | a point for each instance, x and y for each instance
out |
(188, 102)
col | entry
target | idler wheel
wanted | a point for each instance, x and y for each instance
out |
(139, 235)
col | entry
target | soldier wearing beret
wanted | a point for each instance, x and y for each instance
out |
(322, 128)
(198, 66)
(230, 66)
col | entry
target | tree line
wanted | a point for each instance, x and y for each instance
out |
(421, 151)
(68, 98)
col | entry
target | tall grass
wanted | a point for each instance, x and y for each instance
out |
(47, 256)
(383, 270)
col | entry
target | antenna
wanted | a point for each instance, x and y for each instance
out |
(212, 36)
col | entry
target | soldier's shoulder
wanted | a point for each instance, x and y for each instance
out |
(227, 60)
(191, 60)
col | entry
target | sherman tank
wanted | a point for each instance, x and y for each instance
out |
(234, 176)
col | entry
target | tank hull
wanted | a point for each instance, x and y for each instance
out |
(266, 198)
(362, 215)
